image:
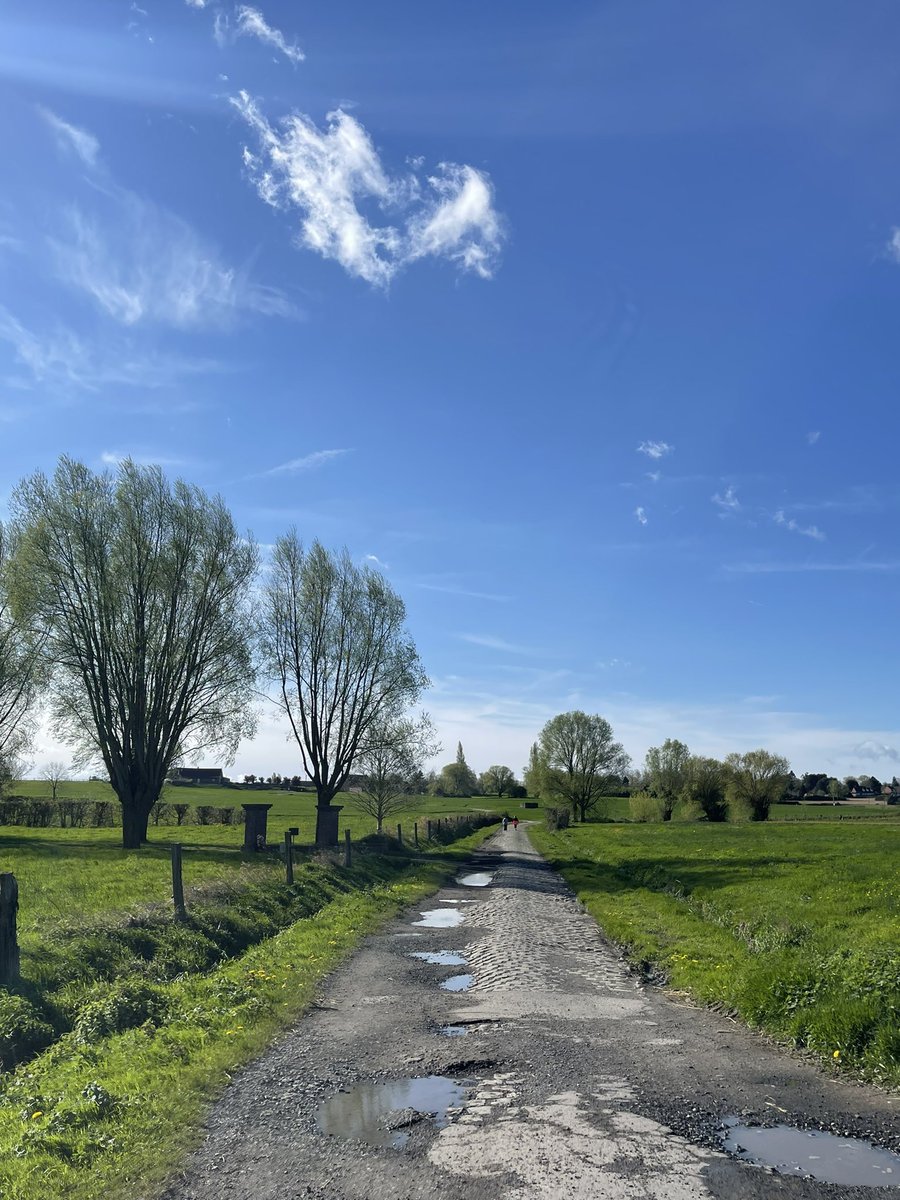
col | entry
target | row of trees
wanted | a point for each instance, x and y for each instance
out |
(132, 607)
(577, 763)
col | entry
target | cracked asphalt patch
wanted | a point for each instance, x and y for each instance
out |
(579, 1081)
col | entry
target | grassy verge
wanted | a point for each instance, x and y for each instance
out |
(107, 1110)
(795, 929)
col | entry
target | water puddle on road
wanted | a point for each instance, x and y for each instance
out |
(458, 983)
(441, 918)
(824, 1156)
(440, 958)
(476, 879)
(382, 1114)
(453, 1030)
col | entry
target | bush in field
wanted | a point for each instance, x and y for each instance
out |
(646, 808)
(181, 811)
(227, 816)
(127, 1004)
(23, 1031)
(162, 813)
(206, 814)
(75, 812)
(103, 814)
(756, 781)
(557, 818)
(40, 814)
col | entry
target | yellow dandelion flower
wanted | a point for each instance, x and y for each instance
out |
(35, 1115)
(837, 1054)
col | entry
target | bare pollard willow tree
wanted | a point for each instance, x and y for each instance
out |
(335, 639)
(142, 588)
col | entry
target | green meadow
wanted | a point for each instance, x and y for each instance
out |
(793, 926)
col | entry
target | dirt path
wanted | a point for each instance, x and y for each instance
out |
(569, 1078)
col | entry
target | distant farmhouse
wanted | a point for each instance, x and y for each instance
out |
(198, 776)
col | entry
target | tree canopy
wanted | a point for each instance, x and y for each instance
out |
(142, 587)
(756, 781)
(391, 763)
(667, 772)
(580, 758)
(20, 668)
(335, 640)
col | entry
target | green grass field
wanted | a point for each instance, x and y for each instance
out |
(795, 927)
(68, 875)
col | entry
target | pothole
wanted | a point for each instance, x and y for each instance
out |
(440, 958)
(458, 983)
(476, 879)
(441, 918)
(824, 1156)
(382, 1114)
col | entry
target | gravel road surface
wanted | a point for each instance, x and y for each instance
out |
(561, 1074)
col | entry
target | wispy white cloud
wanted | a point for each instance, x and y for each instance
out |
(459, 591)
(196, 3)
(494, 643)
(727, 501)
(641, 515)
(813, 436)
(855, 567)
(249, 22)
(613, 664)
(327, 174)
(893, 246)
(810, 531)
(870, 749)
(374, 561)
(141, 263)
(60, 358)
(654, 476)
(71, 138)
(309, 462)
(114, 458)
(655, 449)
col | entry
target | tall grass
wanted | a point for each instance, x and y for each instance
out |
(796, 928)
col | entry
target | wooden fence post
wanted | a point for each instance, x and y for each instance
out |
(177, 885)
(399, 833)
(428, 830)
(348, 853)
(288, 857)
(416, 832)
(9, 945)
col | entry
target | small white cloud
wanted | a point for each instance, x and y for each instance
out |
(893, 246)
(641, 515)
(810, 531)
(196, 3)
(251, 23)
(309, 462)
(613, 664)
(71, 138)
(114, 458)
(654, 476)
(728, 501)
(813, 436)
(375, 561)
(655, 449)
(462, 224)
(493, 643)
(869, 749)
(220, 30)
(327, 175)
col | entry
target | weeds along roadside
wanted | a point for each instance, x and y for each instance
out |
(791, 929)
(112, 1103)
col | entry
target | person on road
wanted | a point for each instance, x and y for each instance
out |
(505, 822)
(515, 822)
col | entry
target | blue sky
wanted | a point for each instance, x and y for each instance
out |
(581, 319)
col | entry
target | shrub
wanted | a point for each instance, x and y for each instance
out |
(206, 814)
(40, 814)
(557, 818)
(23, 1030)
(103, 813)
(161, 813)
(127, 1004)
(227, 816)
(646, 808)
(181, 811)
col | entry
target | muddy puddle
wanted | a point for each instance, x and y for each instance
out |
(441, 918)
(383, 1114)
(458, 983)
(440, 958)
(824, 1156)
(453, 1030)
(476, 879)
